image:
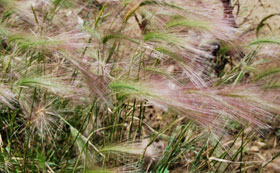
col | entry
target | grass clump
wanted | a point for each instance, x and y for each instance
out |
(110, 86)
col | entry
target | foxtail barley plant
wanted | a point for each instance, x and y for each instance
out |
(77, 79)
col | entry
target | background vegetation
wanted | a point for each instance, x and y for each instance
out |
(137, 86)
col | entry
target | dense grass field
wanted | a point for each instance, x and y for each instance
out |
(138, 86)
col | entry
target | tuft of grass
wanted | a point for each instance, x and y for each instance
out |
(189, 23)
(116, 86)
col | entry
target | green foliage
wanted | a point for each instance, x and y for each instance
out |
(265, 41)
(262, 23)
(78, 79)
(189, 23)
